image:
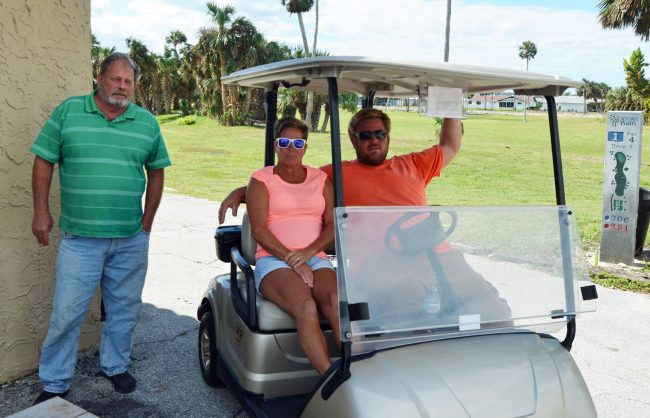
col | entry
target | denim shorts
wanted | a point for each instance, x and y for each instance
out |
(265, 265)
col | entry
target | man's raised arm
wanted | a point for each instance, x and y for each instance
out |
(450, 135)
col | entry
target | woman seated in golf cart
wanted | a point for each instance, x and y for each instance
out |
(290, 210)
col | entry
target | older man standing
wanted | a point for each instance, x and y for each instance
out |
(102, 143)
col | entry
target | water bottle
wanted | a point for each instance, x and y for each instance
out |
(431, 305)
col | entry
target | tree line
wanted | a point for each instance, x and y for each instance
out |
(617, 14)
(620, 14)
(186, 78)
(634, 96)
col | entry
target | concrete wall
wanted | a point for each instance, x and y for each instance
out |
(44, 58)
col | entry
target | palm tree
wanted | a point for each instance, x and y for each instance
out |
(98, 54)
(229, 38)
(603, 89)
(580, 92)
(315, 29)
(174, 39)
(275, 52)
(618, 14)
(527, 51)
(348, 101)
(447, 29)
(262, 52)
(189, 100)
(174, 85)
(634, 68)
(299, 7)
(620, 98)
(587, 91)
(146, 88)
(259, 51)
(310, 100)
(202, 63)
(635, 95)
(287, 102)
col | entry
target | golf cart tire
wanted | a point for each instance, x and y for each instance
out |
(208, 361)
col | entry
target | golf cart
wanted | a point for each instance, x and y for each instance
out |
(444, 311)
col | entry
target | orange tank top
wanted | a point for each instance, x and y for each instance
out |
(295, 210)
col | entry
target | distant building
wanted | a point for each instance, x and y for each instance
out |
(505, 101)
(502, 101)
(574, 104)
(394, 101)
(499, 101)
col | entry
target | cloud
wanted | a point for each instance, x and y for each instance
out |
(101, 4)
(149, 21)
(569, 42)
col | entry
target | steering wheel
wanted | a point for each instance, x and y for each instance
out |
(410, 235)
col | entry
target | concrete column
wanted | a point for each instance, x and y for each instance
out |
(45, 58)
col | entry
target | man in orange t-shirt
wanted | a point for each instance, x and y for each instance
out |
(373, 180)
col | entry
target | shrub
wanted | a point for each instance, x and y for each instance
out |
(185, 106)
(187, 120)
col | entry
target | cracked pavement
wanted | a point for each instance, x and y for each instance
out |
(612, 345)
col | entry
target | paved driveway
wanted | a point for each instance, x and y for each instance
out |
(612, 346)
(612, 350)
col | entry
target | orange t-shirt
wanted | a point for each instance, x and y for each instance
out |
(295, 210)
(398, 181)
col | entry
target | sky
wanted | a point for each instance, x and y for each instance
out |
(570, 41)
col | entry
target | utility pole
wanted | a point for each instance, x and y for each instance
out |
(447, 31)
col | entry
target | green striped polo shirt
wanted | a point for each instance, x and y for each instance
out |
(101, 165)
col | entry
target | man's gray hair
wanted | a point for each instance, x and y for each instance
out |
(119, 56)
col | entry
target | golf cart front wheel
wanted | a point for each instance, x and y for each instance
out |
(208, 354)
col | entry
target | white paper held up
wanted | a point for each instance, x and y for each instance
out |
(445, 102)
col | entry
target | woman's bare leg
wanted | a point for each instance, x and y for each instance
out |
(326, 295)
(287, 290)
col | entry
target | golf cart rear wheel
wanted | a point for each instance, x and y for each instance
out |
(208, 354)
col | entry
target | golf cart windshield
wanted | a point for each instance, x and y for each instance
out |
(423, 273)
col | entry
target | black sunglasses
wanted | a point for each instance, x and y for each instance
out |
(366, 135)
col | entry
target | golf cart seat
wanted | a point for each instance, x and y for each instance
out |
(266, 316)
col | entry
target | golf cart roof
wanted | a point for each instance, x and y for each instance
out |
(363, 75)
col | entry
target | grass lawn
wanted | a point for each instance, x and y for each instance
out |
(503, 161)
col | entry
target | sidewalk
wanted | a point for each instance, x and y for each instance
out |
(53, 408)
(612, 345)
